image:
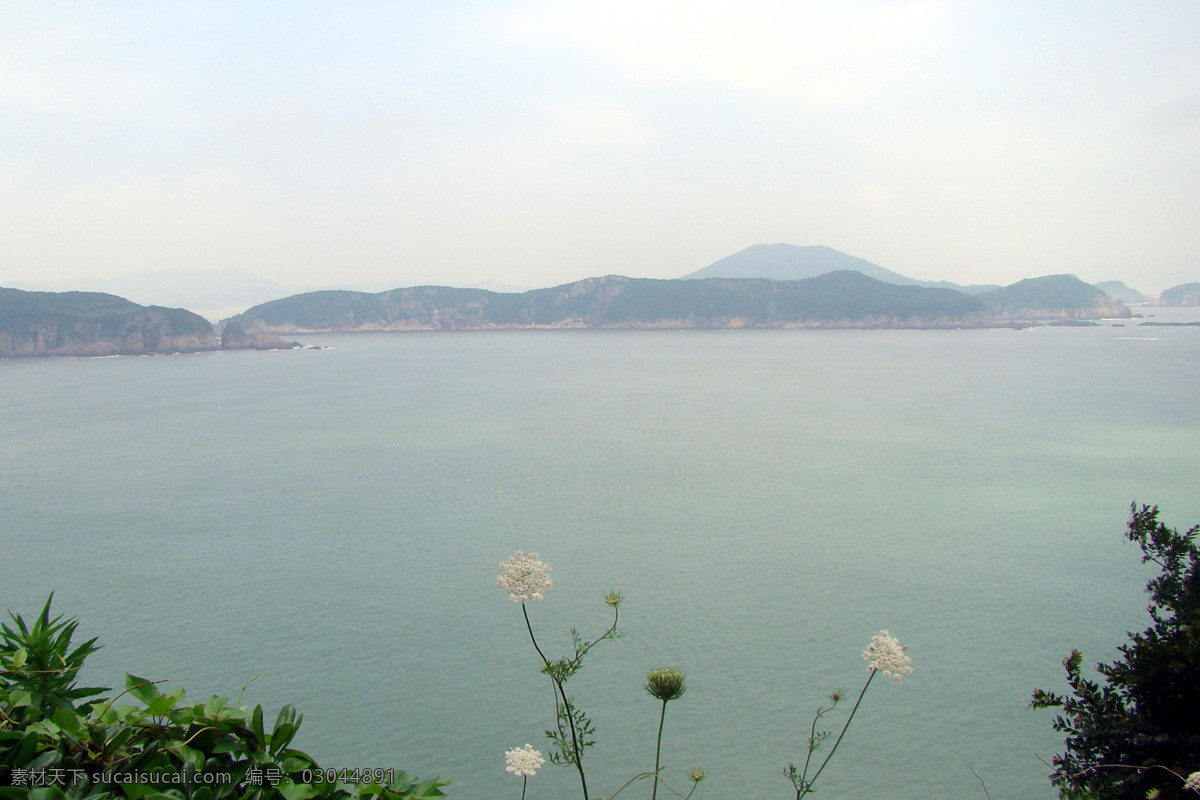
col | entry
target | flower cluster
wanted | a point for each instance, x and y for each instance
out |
(523, 762)
(886, 654)
(524, 577)
(666, 684)
(1192, 782)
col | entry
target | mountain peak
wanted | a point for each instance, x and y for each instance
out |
(789, 262)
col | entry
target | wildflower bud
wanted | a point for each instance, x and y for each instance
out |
(665, 684)
(613, 598)
(697, 774)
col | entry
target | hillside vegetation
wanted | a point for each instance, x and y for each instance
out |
(839, 298)
(97, 324)
(1052, 297)
(843, 298)
(1186, 294)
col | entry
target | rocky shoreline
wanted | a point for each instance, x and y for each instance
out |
(92, 324)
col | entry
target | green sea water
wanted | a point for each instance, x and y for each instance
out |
(331, 521)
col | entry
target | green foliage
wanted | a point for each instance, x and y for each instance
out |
(38, 662)
(615, 301)
(573, 731)
(158, 747)
(55, 323)
(1047, 293)
(799, 777)
(1137, 730)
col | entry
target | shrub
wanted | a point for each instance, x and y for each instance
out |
(1136, 732)
(59, 740)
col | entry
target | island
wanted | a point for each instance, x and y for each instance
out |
(839, 299)
(36, 324)
(1186, 294)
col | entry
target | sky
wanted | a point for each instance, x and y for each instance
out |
(527, 143)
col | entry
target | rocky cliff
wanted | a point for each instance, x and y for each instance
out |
(97, 324)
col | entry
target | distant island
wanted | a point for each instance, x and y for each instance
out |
(1186, 294)
(782, 261)
(789, 262)
(1052, 298)
(840, 299)
(763, 286)
(1117, 290)
(96, 324)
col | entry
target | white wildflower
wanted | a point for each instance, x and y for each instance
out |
(524, 577)
(524, 761)
(1192, 782)
(886, 654)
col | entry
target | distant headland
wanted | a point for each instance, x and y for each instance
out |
(94, 324)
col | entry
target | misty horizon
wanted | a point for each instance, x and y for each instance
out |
(528, 144)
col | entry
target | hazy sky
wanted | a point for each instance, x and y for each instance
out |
(531, 143)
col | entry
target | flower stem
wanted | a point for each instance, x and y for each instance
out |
(608, 633)
(566, 704)
(808, 786)
(524, 783)
(812, 743)
(658, 749)
(532, 638)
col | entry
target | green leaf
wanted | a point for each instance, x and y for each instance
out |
(117, 741)
(287, 715)
(256, 725)
(295, 760)
(46, 793)
(25, 750)
(286, 725)
(69, 722)
(296, 791)
(46, 760)
(282, 737)
(161, 705)
(192, 756)
(137, 791)
(430, 788)
(141, 688)
(19, 658)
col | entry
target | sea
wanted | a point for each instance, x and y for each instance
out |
(323, 527)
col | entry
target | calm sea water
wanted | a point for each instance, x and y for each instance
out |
(331, 521)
